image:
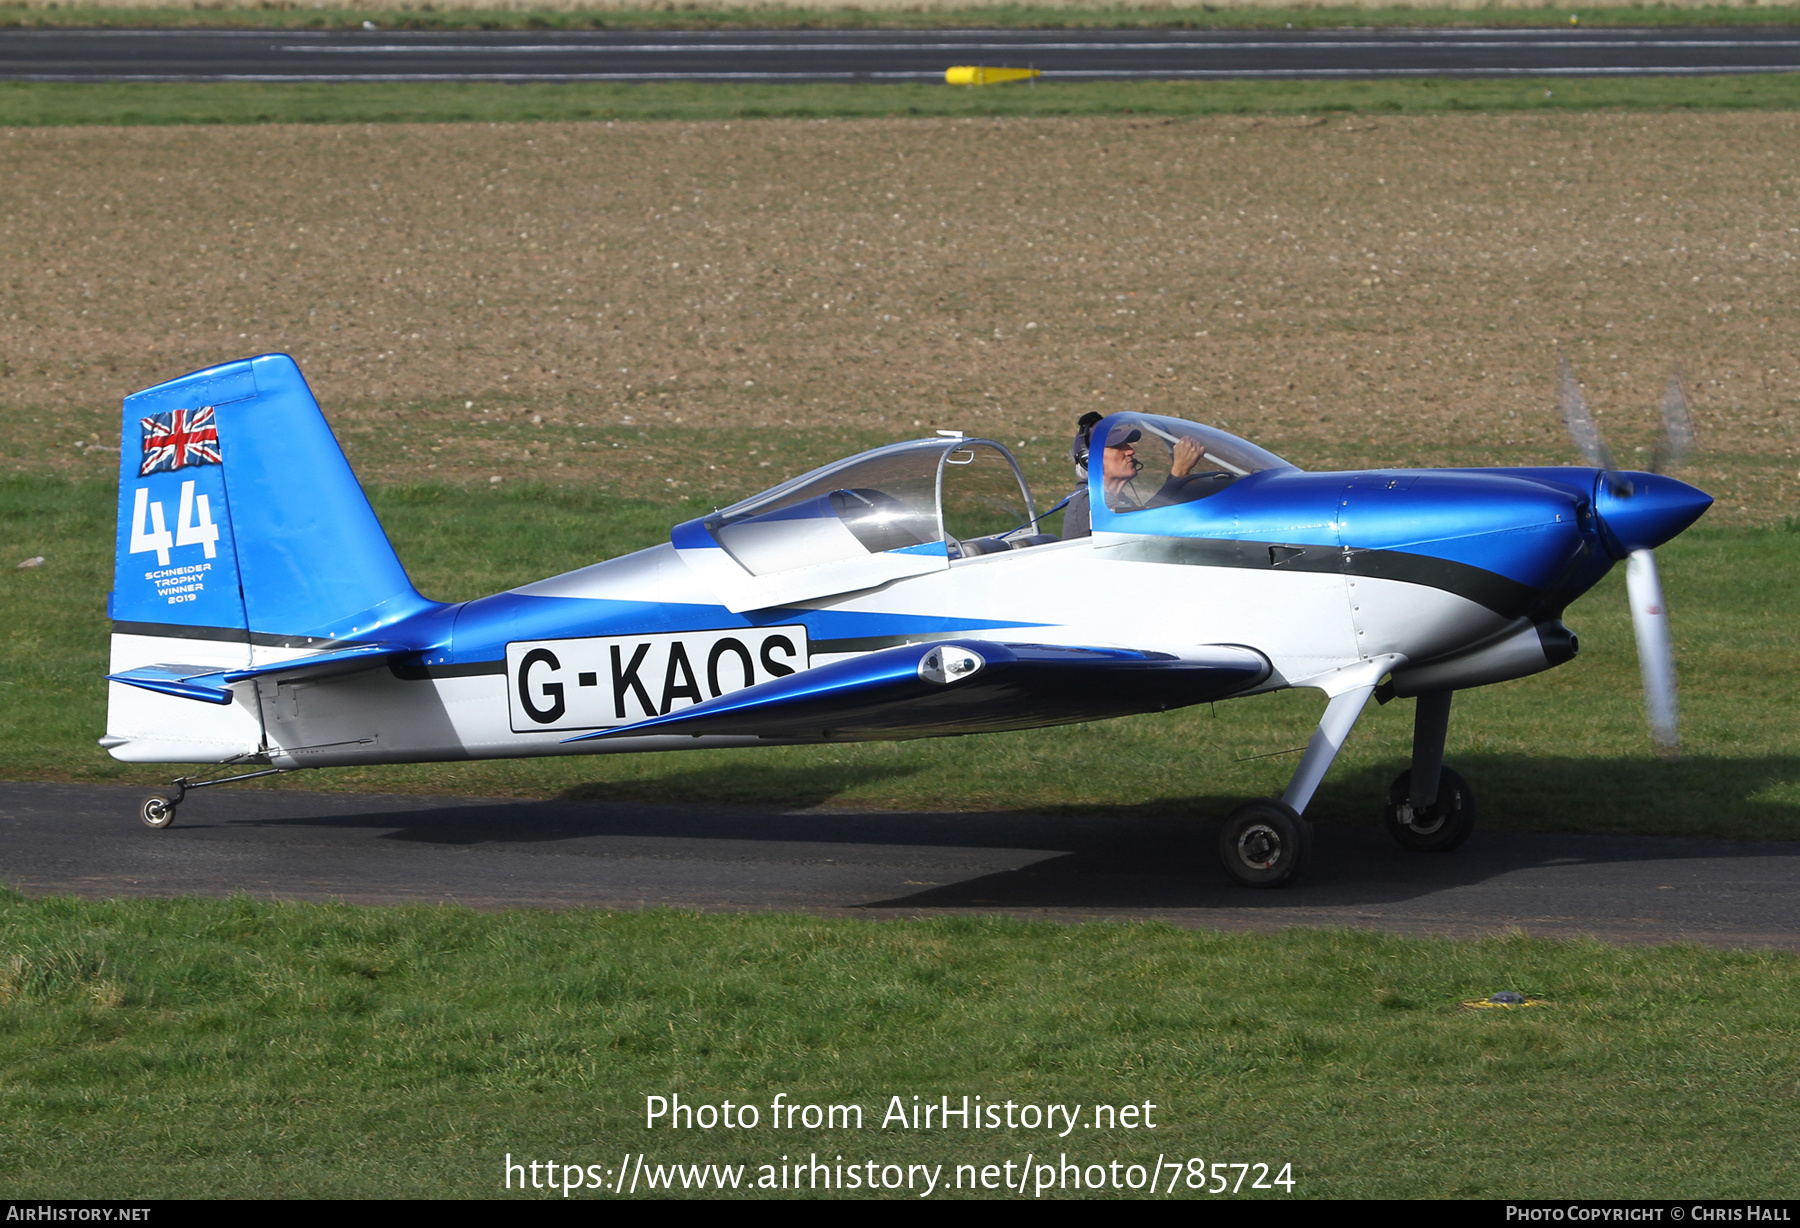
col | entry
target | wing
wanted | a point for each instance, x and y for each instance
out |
(963, 686)
(212, 685)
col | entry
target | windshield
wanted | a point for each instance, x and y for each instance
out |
(1147, 460)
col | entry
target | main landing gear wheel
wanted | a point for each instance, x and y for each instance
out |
(1265, 844)
(1439, 829)
(157, 811)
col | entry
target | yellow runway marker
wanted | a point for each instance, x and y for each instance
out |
(988, 76)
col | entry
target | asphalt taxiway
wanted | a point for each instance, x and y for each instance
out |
(286, 844)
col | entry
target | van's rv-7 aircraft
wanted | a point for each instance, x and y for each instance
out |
(261, 619)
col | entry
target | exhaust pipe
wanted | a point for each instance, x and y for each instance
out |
(1532, 649)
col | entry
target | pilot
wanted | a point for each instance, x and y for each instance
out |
(1118, 476)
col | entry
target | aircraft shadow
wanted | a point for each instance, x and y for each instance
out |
(1162, 854)
(745, 783)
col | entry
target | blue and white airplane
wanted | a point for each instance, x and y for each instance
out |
(262, 620)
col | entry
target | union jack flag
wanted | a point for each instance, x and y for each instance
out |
(178, 439)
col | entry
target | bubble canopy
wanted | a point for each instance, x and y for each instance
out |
(919, 495)
(906, 471)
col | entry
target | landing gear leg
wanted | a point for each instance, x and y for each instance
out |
(1329, 738)
(1430, 808)
(1431, 725)
(1266, 843)
(158, 810)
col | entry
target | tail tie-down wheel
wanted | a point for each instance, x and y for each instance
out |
(1438, 828)
(157, 811)
(1265, 844)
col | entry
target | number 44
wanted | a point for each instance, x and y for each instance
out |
(193, 525)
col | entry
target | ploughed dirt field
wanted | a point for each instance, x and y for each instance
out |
(699, 308)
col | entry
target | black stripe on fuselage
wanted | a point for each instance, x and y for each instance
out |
(1504, 596)
(461, 669)
(231, 635)
(874, 643)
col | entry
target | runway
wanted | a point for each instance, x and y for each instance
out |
(880, 55)
(278, 844)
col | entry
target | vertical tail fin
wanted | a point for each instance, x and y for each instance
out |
(243, 538)
(238, 513)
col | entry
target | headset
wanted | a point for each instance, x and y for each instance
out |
(1084, 437)
(1078, 451)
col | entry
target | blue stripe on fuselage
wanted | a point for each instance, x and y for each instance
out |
(1519, 524)
(485, 627)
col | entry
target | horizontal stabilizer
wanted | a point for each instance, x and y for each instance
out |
(212, 685)
(963, 686)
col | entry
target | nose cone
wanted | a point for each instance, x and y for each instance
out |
(1657, 509)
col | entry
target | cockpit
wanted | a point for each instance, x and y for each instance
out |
(917, 506)
(1140, 461)
(969, 496)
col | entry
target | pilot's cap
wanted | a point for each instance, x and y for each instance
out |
(1123, 434)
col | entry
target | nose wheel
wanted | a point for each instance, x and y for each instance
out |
(1436, 828)
(1265, 844)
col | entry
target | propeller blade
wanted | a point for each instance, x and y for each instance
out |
(1677, 442)
(1656, 652)
(1580, 421)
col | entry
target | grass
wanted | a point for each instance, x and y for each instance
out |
(574, 15)
(38, 104)
(1529, 746)
(194, 1048)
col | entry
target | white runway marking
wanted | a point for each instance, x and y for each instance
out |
(685, 48)
(1048, 74)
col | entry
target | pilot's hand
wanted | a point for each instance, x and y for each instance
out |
(1187, 454)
